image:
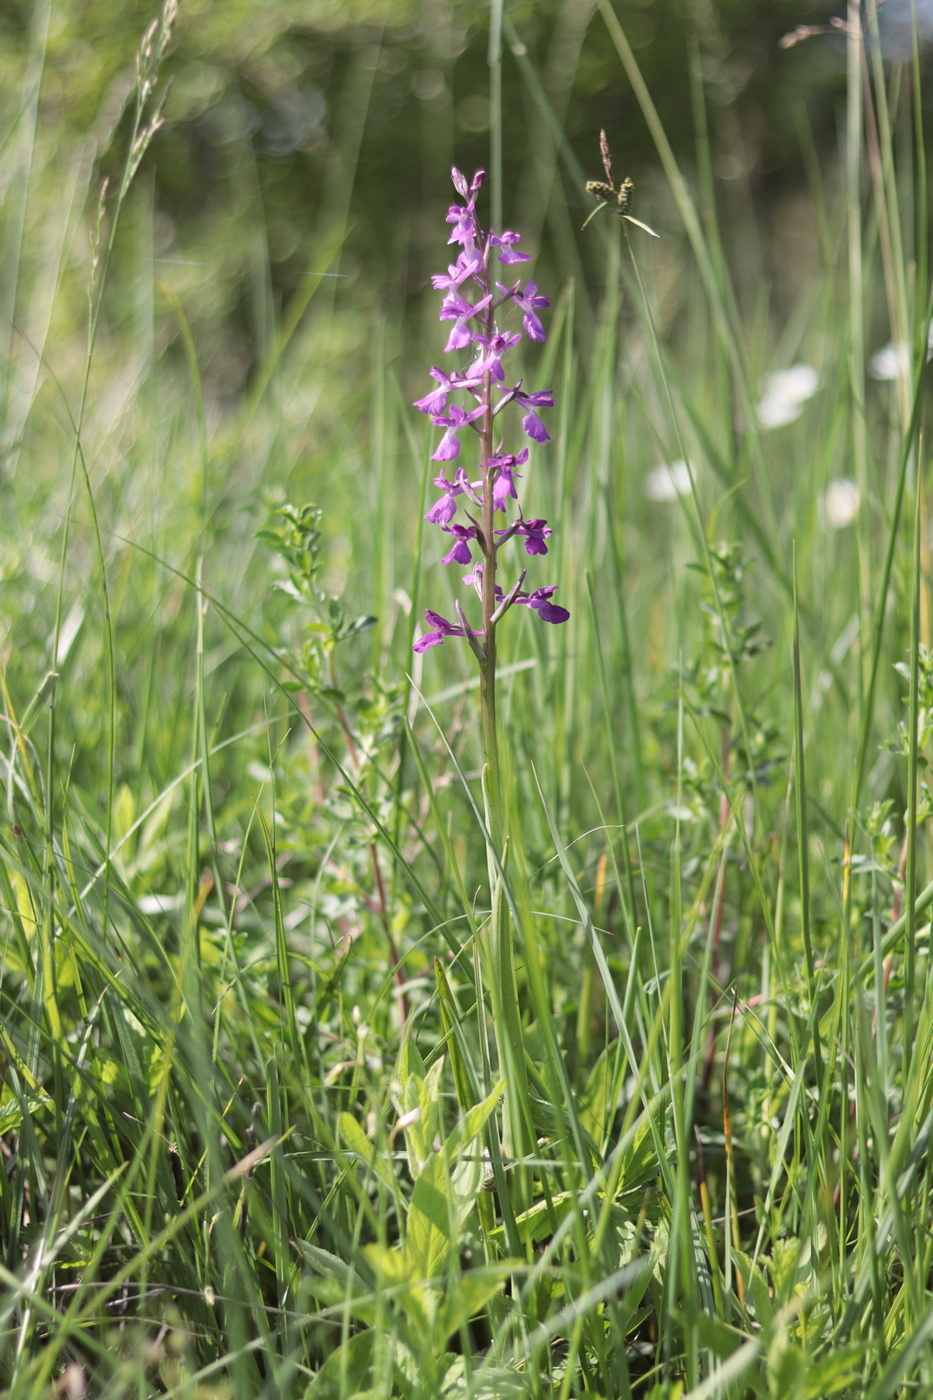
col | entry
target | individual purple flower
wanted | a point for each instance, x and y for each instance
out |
(503, 486)
(442, 628)
(457, 273)
(456, 418)
(534, 532)
(460, 553)
(529, 301)
(496, 346)
(457, 309)
(532, 425)
(474, 580)
(463, 217)
(508, 253)
(444, 510)
(540, 601)
(460, 182)
(436, 401)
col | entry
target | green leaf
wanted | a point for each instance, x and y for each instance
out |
(471, 1294)
(756, 1287)
(346, 1370)
(840, 1368)
(355, 1140)
(14, 1110)
(442, 1197)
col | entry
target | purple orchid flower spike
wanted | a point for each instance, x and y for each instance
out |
(483, 317)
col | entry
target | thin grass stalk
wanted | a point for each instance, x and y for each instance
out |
(881, 590)
(494, 64)
(913, 780)
(803, 840)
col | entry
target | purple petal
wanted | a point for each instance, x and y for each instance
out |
(460, 554)
(550, 612)
(442, 511)
(534, 328)
(435, 402)
(430, 639)
(533, 427)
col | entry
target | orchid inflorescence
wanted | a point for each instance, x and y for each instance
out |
(486, 393)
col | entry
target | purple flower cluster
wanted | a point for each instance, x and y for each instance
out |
(471, 303)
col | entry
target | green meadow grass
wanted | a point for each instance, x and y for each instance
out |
(291, 1104)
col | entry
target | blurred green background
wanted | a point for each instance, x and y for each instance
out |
(291, 123)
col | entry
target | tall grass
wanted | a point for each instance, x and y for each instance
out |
(311, 1085)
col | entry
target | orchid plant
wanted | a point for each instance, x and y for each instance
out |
(474, 303)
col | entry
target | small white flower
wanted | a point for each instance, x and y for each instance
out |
(893, 361)
(839, 503)
(667, 481)
(784, 394)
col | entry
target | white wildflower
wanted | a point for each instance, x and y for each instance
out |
(784, 394)
(667, 481)
(839, 503)
(892, 361)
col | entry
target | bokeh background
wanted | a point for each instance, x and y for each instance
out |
(292, 126)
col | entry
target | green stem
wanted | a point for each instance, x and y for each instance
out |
(488, 663)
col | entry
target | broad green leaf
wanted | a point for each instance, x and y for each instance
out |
(355, 1140)
(840, 1368)
(438, 1202)
(756, 1287)
(13, 1110)
(471, 1294)
(346, 1370)
(432, 1218)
